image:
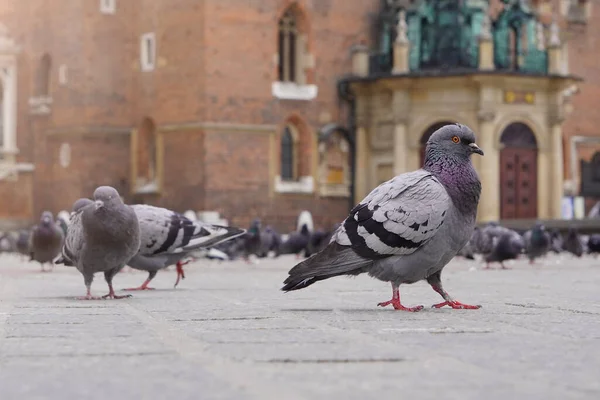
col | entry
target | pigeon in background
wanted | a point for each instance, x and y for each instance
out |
(270, 241)
(556, 241)
(7, 243)
(485, 239)
(572, 243)
(508, 246)
(22, 242)
(103, 236)
(408, 228)
(468, 250)
(46, 240)
(537, 242)
(319, 239)
(594, 244)
(297, 242)
(167, 237)
(252, 240)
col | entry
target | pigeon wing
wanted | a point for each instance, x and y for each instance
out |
(397, 217)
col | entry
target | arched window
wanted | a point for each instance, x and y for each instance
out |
(288, 157)
(43, 76)
(288, 47)
(145, 168)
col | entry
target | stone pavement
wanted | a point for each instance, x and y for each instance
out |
(228, 333)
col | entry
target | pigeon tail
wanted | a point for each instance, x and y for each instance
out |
(212, 235)
(334, 260)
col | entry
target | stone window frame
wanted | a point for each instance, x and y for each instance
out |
(150, 184)
(293, 59)
(576, 11)
(299, 184)
(148, 52)
(108, 6)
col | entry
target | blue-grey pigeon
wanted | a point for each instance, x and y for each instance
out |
(537, 242)
(408, 228)
(103, 236)
(168, 237)
(46, 240)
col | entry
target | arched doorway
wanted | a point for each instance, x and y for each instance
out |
(518, 172)
(427, 134)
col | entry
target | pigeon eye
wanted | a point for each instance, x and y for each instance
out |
(455, 139)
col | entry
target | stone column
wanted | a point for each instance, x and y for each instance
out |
(486, 45)
(557, 170)
(555, 51)
(401, 47)
(360, 60)
(400, 149)
(362, 163)
(489, 204)
(544, 183)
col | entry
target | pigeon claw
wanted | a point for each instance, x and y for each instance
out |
(180, 272)
(112, 295)
(398, 306)
(139, 288)
(456, 305)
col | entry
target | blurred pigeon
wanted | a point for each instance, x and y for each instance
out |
(269, 241)
(46, 240)
(556, 241)
(7, 244)
(537, 242)
(252, 240)
(408, 228)
(485, 239)
(507, 246)
(297, 242)
(22, 242)
(468, 251)
(318, 240)
(594, 244)
(168, 237)
(102, 237)
(572, 243)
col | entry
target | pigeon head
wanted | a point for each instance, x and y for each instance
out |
(47, 218)
(80, 203)
(105, 196)
(455, 140)
(254, 226)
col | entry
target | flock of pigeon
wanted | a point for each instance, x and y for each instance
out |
(406, 230)
(497, 244)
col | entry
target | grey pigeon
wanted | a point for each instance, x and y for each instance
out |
(252, 240)
(556, 241)
(22, 242)
(46, 240)
(594, 244)
(168, 237)
(270, 241)
(408, 228)
(297, 242)
(484, 239)
(103, 236)
(537, 242)
(573, 243)
(508, 246)
(319, 239)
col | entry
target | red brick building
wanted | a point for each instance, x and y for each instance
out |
(203, 105)
(218, 105)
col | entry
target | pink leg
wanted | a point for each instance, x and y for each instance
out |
(89, 296)
(180, 272)
(111, 294)
(450, 302)
(395, 301)
(143, 287)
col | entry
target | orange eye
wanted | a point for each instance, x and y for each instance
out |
(455, 139)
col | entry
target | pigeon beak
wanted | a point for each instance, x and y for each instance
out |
(99, 204)
(475, 148)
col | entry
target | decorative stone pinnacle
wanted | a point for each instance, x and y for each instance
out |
(554, 34)
(401, 28)
(486, 27)
(540, 36)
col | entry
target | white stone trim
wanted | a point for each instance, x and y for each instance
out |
(148, 58)
(293, 91)
(305, 184)
(108, 6)
(147, 188)
(63, 74)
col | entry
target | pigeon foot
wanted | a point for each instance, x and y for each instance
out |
(457, 305)
(115, 297)
(144, 286)
(180, 272)
(398, 306)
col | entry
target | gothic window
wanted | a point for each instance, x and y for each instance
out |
(288, 47)
(43, 76)
(288, 156)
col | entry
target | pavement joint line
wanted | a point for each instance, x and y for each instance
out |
(239, 375)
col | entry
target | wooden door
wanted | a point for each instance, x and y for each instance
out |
(518, 180)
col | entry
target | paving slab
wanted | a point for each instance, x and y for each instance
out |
(228, 332)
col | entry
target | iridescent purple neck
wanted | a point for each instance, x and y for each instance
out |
(458, 177)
